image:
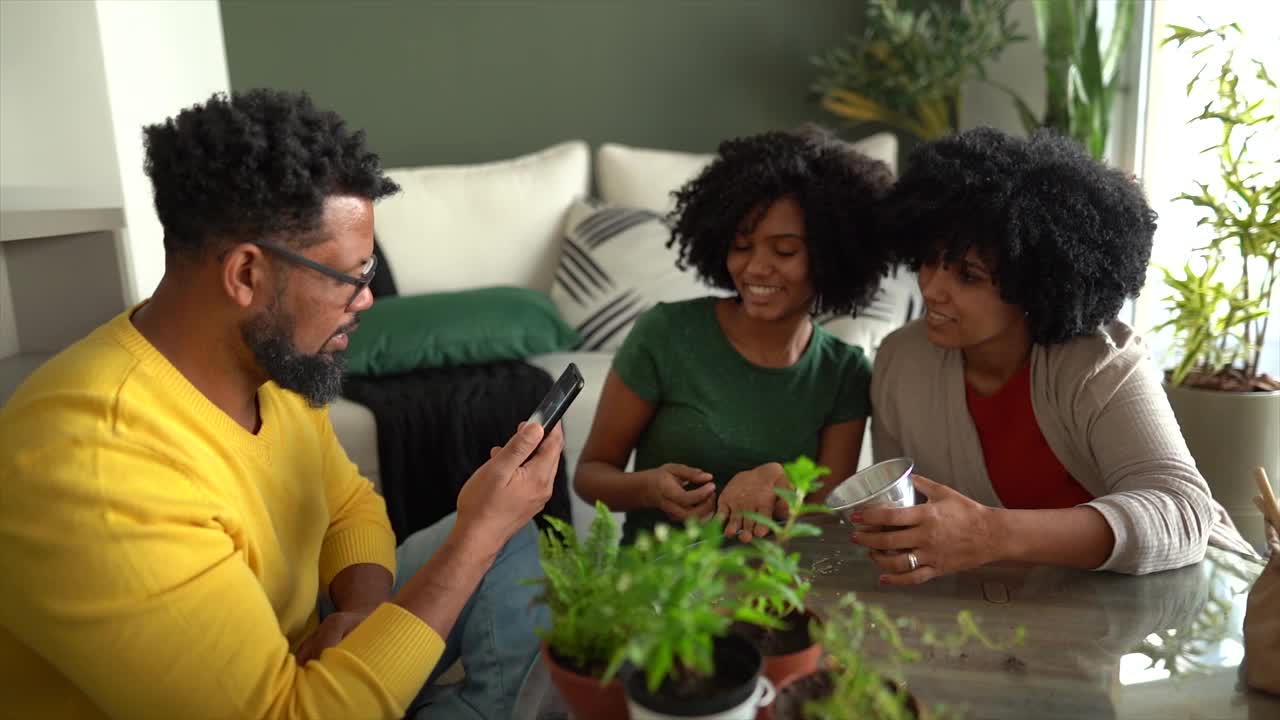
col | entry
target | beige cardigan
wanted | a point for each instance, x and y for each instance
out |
(1101, 407)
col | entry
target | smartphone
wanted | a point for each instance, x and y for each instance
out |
(557, 400)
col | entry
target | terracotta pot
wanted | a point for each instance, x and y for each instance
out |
(789, 704)
(584, 694)
(781, 668)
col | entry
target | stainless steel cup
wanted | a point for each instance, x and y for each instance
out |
(886, 483)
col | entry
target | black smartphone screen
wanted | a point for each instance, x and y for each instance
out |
(558, 399)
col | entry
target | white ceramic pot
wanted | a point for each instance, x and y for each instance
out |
(747, 710)
(739, 668)
(1229, 434)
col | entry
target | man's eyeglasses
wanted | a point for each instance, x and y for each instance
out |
(360, 281)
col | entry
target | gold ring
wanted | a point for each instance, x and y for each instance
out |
(915, 561)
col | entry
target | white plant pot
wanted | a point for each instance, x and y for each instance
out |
(744, 688)
(747, 710)
(1229, 434)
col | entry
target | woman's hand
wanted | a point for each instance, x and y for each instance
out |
(945, 535)
(749, 491)
(681, 491)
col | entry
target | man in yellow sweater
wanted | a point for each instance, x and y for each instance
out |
(172, 495)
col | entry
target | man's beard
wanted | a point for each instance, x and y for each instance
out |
(316, 377)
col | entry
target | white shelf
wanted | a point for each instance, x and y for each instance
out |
(30, 224)
(15, 368)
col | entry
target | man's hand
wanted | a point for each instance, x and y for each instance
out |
(681, 491)
(750, 491)
(327, 634)
(947, 534)
(505, 493)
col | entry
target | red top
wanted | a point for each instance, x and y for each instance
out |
(1025, 473)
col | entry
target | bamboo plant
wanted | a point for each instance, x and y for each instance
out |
(1080, 70)
(1219, 304)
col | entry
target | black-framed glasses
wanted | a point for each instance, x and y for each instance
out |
(360, 281)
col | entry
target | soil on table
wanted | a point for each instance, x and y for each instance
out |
(1232, 380)
(772, 643)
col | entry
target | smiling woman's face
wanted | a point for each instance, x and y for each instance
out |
(770, 264)
(964, 305)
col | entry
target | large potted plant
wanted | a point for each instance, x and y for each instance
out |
(778, 588)
(1219, 301)
(907, 67)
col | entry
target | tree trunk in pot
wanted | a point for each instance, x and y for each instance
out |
(1229, 434)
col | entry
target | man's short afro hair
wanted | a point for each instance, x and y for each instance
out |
(838, 188)
(251, 165)
(1067, 238)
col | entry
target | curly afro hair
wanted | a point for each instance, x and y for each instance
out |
(1066, 238)
(838, 188)
(255, 164)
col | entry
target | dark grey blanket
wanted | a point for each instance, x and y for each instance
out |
(435, 427)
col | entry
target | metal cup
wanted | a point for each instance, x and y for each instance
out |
(886, 483)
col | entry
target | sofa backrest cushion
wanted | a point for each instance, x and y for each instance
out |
(467, 226)
(645, 178)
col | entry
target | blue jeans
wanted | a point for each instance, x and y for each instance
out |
(493, 635)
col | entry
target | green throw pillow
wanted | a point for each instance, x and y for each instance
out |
(468, 327)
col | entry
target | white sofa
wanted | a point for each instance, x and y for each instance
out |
(501, 223)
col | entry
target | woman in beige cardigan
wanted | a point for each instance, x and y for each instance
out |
(1037, 422)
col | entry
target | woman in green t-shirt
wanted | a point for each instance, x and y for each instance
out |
(714, 393)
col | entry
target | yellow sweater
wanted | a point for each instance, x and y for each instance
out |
(158, 561)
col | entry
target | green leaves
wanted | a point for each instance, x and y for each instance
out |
(907, 67)
(579, 583)
(1219, 325)
(1080, 72)
(864, 691)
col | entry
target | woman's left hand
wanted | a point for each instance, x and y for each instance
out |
(749, 491)
(945, 535)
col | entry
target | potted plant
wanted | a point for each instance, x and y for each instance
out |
(853, 687)
(907, 67)
(588, 624)
(1227, 407)
(777, 588)
(686, 663)
(1082, 56)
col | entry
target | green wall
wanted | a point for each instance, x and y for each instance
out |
(444, 81)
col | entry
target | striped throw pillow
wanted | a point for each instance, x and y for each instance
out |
(614, 265)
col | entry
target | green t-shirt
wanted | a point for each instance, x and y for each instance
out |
(719, 412)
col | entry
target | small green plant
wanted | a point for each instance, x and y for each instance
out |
(588, 626)
(1220, 323)
(907, 67)
(778, 588)
(680, 578)
(1080, 70)
(861, 690)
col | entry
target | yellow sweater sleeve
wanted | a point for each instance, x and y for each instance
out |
(112, 570)
(359, 531)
